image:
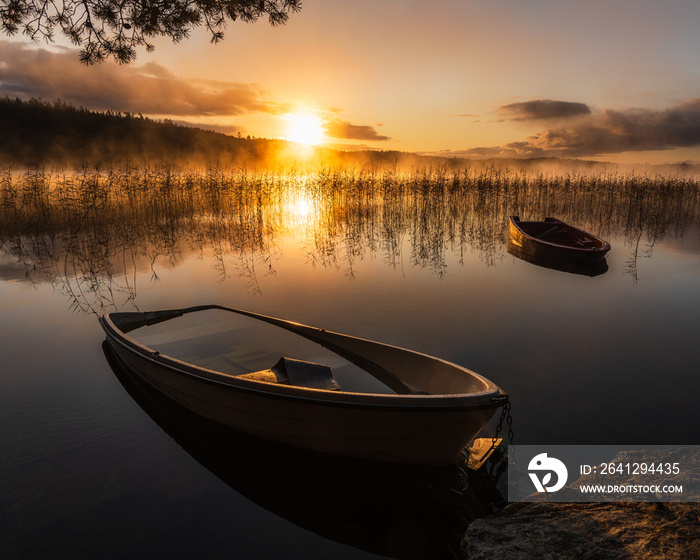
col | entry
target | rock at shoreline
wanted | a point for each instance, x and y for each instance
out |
(658, 530)
(595, 531)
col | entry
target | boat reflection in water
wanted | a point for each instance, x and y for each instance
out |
(438, 407)
(397, 511)
(571, 265)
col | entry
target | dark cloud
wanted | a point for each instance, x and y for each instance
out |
(27, 71)
(337, 128)
(610, 132)
(350, 147)
(542, 109)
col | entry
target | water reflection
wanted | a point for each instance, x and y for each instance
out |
(402, 512)
(572, 266)
(90, 232)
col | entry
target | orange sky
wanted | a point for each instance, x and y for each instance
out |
(616, 81)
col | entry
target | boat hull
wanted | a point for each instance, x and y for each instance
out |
(417, 429)
(553, 239)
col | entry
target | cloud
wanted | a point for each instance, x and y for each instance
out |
(28, 71)
(543, 109)
(337, 128)
(351, 147)
(610, 132)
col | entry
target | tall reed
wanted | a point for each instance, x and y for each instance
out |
(83, 229)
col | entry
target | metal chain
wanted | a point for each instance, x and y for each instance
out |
(504, 411)
(509, 419)
(505, 415)
(500, 464)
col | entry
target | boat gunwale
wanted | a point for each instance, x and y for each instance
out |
(515, 221)
(491, 397)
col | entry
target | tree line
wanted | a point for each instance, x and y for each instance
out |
(37, 132)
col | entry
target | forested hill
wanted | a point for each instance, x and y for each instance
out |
(38, 132)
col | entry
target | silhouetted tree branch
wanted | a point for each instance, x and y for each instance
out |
(115, 28)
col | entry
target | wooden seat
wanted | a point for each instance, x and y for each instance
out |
(296, 372)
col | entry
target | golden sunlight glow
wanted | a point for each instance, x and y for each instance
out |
(301, 211)
(303, 128)
(302, 208)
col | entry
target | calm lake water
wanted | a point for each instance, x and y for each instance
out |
(91, 465)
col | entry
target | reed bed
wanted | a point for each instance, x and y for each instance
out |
(84, 228)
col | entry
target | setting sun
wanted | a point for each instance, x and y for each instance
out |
(303, 128)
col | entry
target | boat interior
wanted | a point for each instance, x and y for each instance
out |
(325, 360)
(559, 233)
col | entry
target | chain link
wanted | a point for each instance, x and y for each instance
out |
(500, 460)
(509, 419)
(505, 415)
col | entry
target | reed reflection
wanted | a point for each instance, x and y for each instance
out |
(90, 231)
